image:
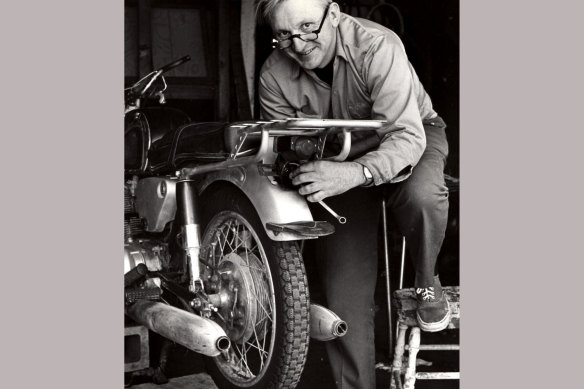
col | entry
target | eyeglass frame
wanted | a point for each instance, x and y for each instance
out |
(277, 42)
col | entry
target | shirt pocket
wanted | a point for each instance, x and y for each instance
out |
(308, 112)
(359, 110)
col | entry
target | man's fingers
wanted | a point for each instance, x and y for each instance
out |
(316, 197)
(304, 168)
(304, 178)
(308, 189)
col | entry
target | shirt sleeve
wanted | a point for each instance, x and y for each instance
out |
(389, 79)
(273, 104)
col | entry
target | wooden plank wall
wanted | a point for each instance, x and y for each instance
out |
(158, 32)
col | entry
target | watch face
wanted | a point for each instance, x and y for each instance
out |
(367, 173)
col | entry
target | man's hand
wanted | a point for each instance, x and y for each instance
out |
(322, 179)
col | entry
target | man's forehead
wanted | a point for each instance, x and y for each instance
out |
(291, 13)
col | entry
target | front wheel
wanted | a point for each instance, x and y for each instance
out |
(264, 302)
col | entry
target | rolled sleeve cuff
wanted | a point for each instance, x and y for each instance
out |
(378, 177)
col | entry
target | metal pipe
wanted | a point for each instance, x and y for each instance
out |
(325, 324)
(403, 262)
(437, 347)
(438, 376)
(387, 280)
(198, 334)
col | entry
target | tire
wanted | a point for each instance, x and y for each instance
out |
(275, 317)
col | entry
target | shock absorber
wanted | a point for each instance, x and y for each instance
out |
(187, 202)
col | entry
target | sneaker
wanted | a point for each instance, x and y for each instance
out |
(433, 312)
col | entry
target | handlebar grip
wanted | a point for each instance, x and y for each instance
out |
(176, 63)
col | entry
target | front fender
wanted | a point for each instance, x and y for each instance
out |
(273, 203)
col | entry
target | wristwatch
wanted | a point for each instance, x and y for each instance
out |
(368, 176)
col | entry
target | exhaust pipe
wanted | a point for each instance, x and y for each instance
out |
(198, 334)
(325, 324)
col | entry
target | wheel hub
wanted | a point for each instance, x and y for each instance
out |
(243, 311)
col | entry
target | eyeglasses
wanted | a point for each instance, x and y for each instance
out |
(308, 37)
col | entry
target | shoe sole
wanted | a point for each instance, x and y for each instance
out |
(434, 327)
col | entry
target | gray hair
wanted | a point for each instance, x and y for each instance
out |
(265, 9)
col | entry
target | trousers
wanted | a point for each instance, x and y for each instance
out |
(347, 260)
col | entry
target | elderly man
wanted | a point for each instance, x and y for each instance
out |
(331, 65)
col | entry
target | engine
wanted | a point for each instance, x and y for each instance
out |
(139, 248)
(133, 225)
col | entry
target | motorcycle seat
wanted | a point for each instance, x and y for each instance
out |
(195, 143)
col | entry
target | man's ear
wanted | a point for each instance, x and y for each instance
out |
(335, 14)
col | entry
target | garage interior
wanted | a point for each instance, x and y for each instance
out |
(227, 50)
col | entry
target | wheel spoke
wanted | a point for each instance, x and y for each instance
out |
(234, 228)
(261, 351)
(221, 244)
(240, 249)
(255, 268)
(242, 364)
(244, 359)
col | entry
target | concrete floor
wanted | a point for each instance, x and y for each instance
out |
(192, 381)
(186, 370)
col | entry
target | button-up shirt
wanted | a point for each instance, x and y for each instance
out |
(372, 79)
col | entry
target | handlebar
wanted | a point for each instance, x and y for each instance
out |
(136, 92)
(174, 64)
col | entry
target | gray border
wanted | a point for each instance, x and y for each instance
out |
(521, 244)
(62, 68)
(521, 206)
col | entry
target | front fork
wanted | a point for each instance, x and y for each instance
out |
(187, 201)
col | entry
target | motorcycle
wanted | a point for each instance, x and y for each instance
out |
(213, 234)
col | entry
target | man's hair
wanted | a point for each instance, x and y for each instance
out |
(265, 9)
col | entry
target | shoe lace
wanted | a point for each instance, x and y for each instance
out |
(427, 293)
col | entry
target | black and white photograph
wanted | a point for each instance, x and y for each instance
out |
(291, 190)
(312, 190)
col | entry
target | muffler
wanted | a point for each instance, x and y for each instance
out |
(325, 324)
(198, 334)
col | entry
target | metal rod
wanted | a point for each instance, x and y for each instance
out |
(341, 219)
(438, 376)
(402, 266)
(437, 347)
(387, 280)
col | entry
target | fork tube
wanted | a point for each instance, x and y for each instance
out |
(187, 200)
(387, 287)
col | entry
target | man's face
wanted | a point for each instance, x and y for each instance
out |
(302, 16)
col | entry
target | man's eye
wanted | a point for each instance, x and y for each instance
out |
(282, 35)
(307, 27)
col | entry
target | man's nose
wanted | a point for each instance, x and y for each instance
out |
(298, 45)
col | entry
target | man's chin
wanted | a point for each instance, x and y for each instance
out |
(307, 63)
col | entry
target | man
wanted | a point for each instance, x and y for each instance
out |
(331, 65)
